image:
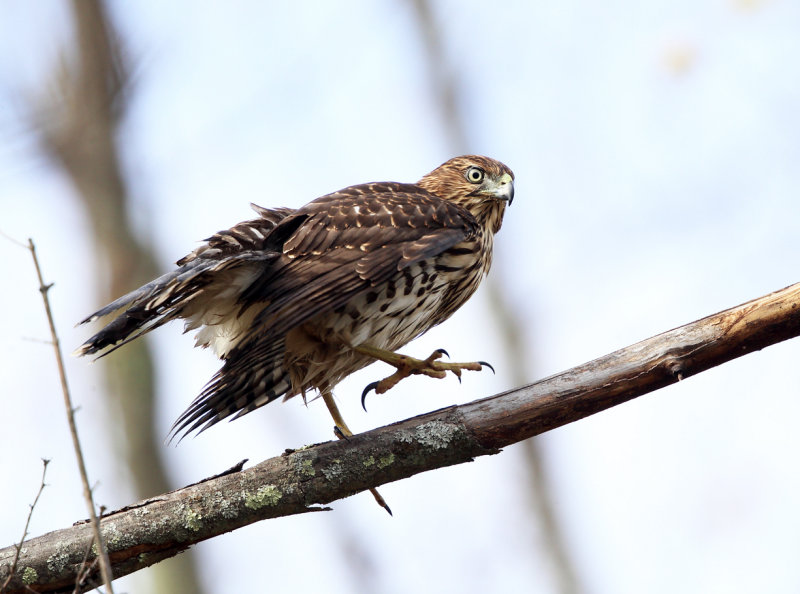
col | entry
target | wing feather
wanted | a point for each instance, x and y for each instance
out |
(368, 233)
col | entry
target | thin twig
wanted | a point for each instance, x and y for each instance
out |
(12, 240)
(105, 565)
(45, 462)
(85, 569)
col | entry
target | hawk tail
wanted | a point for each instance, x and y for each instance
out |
(145, 308)
(232, 393)
(219, 271)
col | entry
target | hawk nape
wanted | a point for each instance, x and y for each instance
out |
(297, 300)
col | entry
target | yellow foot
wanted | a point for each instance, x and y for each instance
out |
(407, 366)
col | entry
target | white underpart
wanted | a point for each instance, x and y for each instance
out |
(216, 311)
(384, 330)
(387, 331)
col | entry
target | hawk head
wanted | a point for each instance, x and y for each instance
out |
(481, 185)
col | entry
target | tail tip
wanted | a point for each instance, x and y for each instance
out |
(87, 348)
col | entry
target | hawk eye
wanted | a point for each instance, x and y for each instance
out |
(475, 175)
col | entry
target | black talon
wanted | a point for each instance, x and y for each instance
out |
(443, 352)
(372, 386)
(339, 433)
(485, 364)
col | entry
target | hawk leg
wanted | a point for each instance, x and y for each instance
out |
(407, 366)
(342, 431)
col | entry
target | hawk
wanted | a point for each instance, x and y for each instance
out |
(298, 299)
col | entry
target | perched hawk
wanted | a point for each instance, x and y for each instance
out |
(298, 299)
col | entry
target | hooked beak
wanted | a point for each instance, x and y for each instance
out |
(503, 189)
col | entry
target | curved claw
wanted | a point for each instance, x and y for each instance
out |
(372, 386)
(489, 365)
(443, 352)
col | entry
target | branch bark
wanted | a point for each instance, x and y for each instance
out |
(300, 481)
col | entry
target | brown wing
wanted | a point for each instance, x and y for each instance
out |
(346, 243)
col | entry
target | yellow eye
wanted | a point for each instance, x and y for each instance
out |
(475, 175)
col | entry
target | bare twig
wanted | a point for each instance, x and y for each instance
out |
(12, 240)
(13, 571)
(163, 526)
(105, 564)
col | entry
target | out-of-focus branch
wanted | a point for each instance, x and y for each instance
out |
(541, 500)
(150, 531)
(445, 87)
(78, 122)
(442, 78)
(78, 128)
(105, 565)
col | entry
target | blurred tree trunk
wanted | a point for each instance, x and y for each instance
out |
(444, 82)
(79, 126)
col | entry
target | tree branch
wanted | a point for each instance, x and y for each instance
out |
(298, 481)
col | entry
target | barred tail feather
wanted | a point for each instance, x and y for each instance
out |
(173, 295)
(136, 317)
(232, 393)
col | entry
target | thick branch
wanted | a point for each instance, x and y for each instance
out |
(157, 528)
